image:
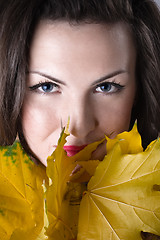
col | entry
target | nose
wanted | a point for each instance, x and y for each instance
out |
(82, 117)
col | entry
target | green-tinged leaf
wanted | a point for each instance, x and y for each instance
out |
(21, 195)
(123, 196)
(64, 194)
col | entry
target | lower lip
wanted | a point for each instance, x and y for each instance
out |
(72, 150)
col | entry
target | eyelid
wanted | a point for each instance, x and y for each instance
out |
(40, 84)
(113, 83)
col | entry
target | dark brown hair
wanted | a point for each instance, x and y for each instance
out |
(18, 20)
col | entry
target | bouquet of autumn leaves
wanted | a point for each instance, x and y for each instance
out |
(80, 198)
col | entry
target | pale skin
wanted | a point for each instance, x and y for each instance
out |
(85, 72)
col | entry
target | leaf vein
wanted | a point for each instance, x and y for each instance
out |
(120, 183)
(106, 220)
(120, 202)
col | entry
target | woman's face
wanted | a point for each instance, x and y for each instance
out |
(85, 72)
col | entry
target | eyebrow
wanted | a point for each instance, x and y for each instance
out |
(110, 75)
(47, 76)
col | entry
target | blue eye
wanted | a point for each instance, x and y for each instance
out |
(46, 87)
(105, 87)
(108, 87)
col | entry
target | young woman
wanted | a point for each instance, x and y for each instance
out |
(96, 62)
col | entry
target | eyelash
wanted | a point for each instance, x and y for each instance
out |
(54, 88)
(117, 87)
(49, 87)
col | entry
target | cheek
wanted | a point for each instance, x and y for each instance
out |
(38, 121)
(41, 128)
(115, 117)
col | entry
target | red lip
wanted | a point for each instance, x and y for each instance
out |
(72, 150)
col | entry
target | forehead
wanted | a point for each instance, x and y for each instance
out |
(59, 30)
(81, 46)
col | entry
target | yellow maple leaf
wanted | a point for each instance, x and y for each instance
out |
(21, 195)
(64, 194)
(130, 142)
(123, 197)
